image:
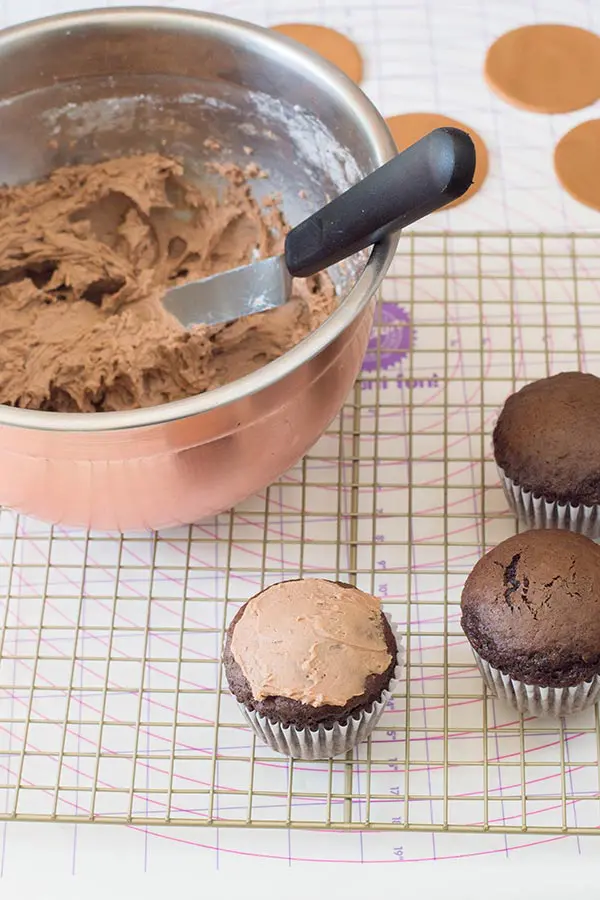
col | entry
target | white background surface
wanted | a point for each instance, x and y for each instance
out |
(420, 56)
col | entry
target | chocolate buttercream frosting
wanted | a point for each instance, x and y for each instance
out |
(312, 640)
(85, 258)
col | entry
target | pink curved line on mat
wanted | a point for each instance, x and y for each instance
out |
(108, 609)
(191, 812)
(501, 850)
(308, 859)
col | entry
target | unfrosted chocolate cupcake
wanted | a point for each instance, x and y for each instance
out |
(531, 612)
(311, 663)
(547, 448)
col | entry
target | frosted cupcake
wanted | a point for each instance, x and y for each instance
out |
(531, 612)
(547, 448)
(311, 663)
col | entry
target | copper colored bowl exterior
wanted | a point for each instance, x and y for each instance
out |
(180, 471)
(181, 462)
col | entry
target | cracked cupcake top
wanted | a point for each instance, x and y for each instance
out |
(531, 608)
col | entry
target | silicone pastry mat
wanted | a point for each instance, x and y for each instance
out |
(114, 709)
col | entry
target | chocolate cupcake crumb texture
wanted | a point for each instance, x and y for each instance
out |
(547, 438)
(531, 608)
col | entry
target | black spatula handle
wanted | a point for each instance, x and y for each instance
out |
(428, 175)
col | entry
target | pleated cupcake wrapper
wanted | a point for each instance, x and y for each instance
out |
(536, 512)
(322, 742)
(533, 700)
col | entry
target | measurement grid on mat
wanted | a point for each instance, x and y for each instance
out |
(114, 709)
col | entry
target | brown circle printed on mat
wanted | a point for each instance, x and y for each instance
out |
(545, 68)
(576, 160)
(330, 44)
(410, 127)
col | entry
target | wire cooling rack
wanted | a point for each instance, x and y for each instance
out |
(113, 706)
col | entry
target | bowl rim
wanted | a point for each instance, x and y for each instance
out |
(366, 284)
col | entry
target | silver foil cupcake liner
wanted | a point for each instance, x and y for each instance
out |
(321, 742)
(533, 700)
(536, 512)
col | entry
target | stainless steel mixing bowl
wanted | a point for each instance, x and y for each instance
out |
(80, 87)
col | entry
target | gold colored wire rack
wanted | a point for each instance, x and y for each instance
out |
(113, 706)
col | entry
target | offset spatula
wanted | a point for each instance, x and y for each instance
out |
(425, 177)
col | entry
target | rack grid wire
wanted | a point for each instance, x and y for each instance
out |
(113, 705)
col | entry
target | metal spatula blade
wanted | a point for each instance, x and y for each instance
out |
(423, 178)
(229, 295)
